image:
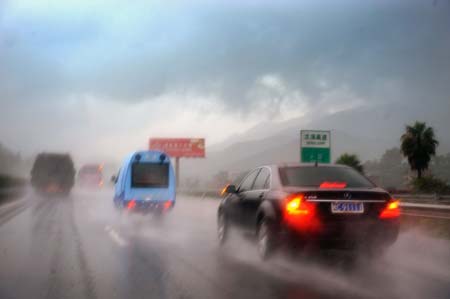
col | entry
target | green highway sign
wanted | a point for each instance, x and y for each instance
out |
(315, 146)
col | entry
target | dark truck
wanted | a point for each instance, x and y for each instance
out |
(53, 173)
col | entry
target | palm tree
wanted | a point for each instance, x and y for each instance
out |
(418, 146)
(351, 160)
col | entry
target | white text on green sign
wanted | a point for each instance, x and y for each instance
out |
(320, 139)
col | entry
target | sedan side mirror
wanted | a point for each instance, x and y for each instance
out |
(230, 189)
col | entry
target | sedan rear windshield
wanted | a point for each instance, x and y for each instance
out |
(338, 177)
(150, 175)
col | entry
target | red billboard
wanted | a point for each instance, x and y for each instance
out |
(179, 147)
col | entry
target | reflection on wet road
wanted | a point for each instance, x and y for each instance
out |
(79, 247)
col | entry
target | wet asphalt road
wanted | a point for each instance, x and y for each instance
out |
(78, 247)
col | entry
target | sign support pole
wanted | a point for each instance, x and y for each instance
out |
(177, 170)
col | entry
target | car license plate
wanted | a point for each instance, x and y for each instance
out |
(347, 207)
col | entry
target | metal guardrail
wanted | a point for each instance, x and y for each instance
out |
(10, 193)
(11, 190)
(200, 193)
(425, 211)
(424, 206)
(406, 197)
(424, 197)
(429, 203)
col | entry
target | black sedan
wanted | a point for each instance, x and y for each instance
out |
(307, 206)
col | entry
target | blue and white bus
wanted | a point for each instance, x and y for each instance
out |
(145, 183)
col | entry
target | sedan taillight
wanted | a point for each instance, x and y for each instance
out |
(296, 205)
(300, 214)
(392, 210)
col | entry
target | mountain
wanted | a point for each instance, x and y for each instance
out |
(368, 132)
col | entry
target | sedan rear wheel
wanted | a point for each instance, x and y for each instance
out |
(266, 239)
(222, 228)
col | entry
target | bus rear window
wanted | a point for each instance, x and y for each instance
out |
(150, 175)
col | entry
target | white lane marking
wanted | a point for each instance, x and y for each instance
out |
(115, 236)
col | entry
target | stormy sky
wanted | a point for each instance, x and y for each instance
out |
(98, 78)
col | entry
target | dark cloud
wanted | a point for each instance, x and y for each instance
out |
(59, 67)
(379, 50)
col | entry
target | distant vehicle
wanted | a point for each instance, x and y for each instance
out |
(53, 173)
(91, 175)
(146, 183)
(323, 207)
